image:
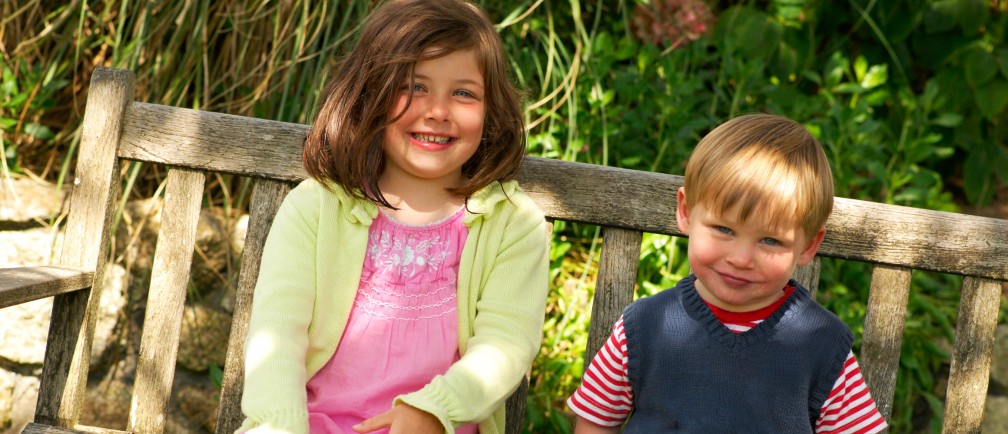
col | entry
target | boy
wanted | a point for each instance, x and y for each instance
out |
(736, 346)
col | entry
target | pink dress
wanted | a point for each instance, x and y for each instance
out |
(403, 327)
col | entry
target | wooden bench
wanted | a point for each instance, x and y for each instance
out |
(625, 203)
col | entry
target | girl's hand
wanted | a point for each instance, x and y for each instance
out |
(402, 419)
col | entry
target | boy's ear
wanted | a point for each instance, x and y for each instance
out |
(812, 247)
(682, 211)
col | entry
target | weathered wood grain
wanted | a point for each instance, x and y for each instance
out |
(614, 287)
(213, 141)
(35, 428)
(24, 284)
(607, 196)
(96, 185)
(267, 196)
(969, 374)
(166, 301)
(883, 335)
(515, 409)
(808, 275)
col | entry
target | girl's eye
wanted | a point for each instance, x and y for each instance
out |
(465, 94)
(417, 87)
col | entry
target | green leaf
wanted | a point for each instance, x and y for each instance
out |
(948, 120)
(877, 75)
(992, 97)
(1001, 58)
(943, 16)
(40, 132)
(979, 65)
(977, 177)
(973, 14)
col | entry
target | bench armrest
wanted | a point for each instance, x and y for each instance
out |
(24, 284)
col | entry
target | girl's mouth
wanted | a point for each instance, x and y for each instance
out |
(438, 140)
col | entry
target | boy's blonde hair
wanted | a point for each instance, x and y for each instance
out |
(767, 166)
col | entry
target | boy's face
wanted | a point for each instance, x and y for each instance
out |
(741, 267)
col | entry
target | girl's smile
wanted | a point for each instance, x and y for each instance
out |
(440, 125)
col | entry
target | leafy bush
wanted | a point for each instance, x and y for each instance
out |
(908, 97)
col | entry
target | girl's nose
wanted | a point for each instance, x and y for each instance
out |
(437, 109)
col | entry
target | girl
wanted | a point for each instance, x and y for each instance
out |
(403, 286)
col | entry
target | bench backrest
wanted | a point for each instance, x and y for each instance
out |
(624, 203)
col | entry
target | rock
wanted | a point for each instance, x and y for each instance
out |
(24, 328)
(22, 392)
(36, 246)
(203, 339)
(999, 358)
(995, 415)
(200, 404)
(24, 201)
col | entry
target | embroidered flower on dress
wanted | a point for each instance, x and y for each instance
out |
(407, 256)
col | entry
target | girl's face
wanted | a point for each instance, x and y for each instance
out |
(442, 126)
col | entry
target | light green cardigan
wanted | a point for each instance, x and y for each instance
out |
(311, 267)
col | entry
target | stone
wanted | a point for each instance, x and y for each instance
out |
(27, 201)
(200, 404)
(995, 419)
(203, 339)
(24, 328)
(17, 401)
(999, 358)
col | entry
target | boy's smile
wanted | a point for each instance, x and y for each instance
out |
(740, 266)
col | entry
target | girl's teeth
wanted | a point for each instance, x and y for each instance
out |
(432, 139)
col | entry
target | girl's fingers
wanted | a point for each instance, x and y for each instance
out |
(383, 420)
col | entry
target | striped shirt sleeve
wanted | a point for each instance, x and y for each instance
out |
(849, 408)
(605, 397)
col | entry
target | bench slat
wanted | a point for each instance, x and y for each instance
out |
(883, 333)
(808, 275)
(614, 288)
(23, 284)
(193, 138)
(36, 428)
(166, 300)
(971, 356)
(267, 196)
(96, 184)
(605, 196)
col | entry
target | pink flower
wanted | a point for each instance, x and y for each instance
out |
(672, 23)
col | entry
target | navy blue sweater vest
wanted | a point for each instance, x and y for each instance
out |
(691, 374)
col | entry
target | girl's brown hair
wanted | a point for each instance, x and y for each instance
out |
(344, 144)
(767, 166)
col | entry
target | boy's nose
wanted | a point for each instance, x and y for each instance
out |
(740, 256)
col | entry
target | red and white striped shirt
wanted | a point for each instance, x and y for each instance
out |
(605, 397)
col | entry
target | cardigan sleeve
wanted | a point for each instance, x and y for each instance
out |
(274, 398)
(507, 329)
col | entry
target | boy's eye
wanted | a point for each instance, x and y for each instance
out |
(723, 230)
(771, 242)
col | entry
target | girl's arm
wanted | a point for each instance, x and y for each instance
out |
(274, 397)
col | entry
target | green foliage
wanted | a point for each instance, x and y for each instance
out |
(893, 130)
(908, 97)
